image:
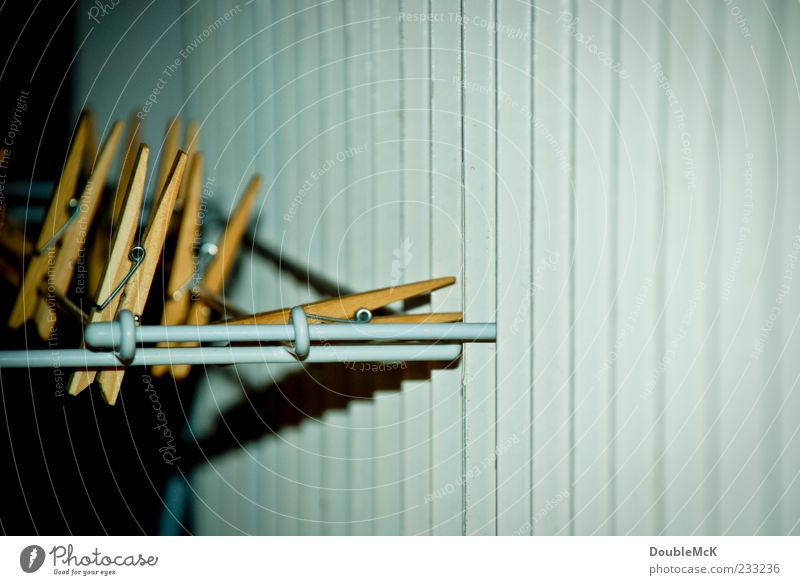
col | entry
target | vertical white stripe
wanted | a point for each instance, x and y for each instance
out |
(288, 466)
(594, 246)
(783, 519)
(414, 261)
(358, 237)
(478, 87)
(386, 216)
(635, 345)
(553, 262)
(514, 276)
(311, 463)
(446, 221)
(268, 485)
(335, 495)
(361, 468)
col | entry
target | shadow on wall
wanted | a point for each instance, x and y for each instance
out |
(304, 394)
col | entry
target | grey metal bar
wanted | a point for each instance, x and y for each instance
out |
(150, 356)
(100, 335)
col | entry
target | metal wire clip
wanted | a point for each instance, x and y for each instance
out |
(136, 255)
(74, 204)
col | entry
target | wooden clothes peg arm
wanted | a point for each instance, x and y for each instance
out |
(14, 242)
(220, 266)
(345, 307)
(101, 243)
(169, 150)
(118, 264)
(176, 306)
(130, 159)
(191, 145)
(74, 238)
(57, 215)
(419, 318)
(137, 290)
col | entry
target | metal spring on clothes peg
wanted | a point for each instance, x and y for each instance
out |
(136, 255)
(362, 316)
(302, 337)
(205, 254)
(76, 208)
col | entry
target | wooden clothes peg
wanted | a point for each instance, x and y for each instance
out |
(346, 307)
(57, 216)
(136, 291)
(101, 240)
(191, 145)
(169, 150)
(130, 158)
(186, 221)
(14, 242)
(213, 280)
(119, 263)
(229, 243)
(176, 306)
(92, 149)
(74, 238)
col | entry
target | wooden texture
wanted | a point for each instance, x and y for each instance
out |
(199, 313)
(73, 241)
(191, 146)
(129, 157)
(119, 263)
(13, 240)
(101, 238)
(57, 214)
(137, 290)
(345, 307)
(167, 153)
(179, 298)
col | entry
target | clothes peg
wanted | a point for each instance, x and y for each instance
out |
(134, 296)
(92, 149)
(101, 242)
(169, 150)
(347, 307)
(10, 272)
(14, 242)
(119, 263)
(73, 239)
(130, 159)
(61, 302)
(230, 241)
(176, 306)
(191, 144)
(54, 222)
(213, 280)
(419, 318)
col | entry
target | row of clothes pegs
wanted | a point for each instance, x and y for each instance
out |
(117, 284)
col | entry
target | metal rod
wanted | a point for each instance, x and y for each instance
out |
(150, 356)
(101, 335)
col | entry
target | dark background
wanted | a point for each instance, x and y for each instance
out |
(70, 465)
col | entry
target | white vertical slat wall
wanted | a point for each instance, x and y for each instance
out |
(613, 182)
